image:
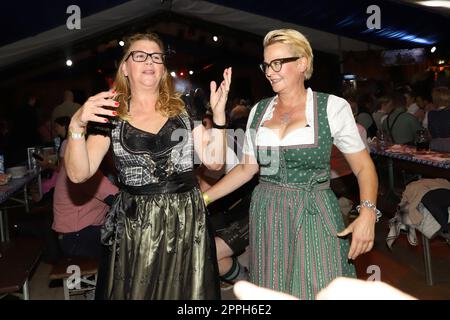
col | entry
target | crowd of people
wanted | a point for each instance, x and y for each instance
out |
(398, 114)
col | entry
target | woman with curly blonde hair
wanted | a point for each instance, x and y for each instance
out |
(157, 227)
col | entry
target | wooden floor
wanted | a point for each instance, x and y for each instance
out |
(403, 267)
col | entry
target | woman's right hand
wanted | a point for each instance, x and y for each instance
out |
(94, 108)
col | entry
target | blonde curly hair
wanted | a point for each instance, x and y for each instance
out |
(169, 103)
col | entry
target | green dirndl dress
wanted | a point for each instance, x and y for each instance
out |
(295, 216)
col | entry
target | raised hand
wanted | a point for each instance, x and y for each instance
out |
(218, 97)
(94, 108)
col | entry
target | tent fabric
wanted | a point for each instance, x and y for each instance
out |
(125, 13)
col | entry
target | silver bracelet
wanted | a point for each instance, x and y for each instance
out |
(368, 204)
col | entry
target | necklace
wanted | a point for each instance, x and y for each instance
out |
(285, 116)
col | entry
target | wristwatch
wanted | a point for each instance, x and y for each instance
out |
(76, 135)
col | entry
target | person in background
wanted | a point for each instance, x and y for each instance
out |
(439, 119)
(229, 215)
(400, 125)
(410, 101)
(361, 107)
(67, 108)
(45, 129)
(425, 103)
(229, 220)
(384, 107)
(239, 115)
(51, 164)
(79, 211)
(365, 108)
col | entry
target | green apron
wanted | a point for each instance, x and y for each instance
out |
(295, 216)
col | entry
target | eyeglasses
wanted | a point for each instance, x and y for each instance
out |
(276, 64)
(141, 56)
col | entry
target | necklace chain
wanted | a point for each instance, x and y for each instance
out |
(285, 116)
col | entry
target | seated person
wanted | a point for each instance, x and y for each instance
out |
(362, 106)
(384, 104)
(51, 163)
(229, 219)
(439, 119)
(229, 215)
(79, 211)
(400, 125)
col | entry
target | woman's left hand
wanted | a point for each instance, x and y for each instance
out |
(218, 97)
(363, 233)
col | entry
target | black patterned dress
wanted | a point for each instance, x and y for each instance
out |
(157, 227)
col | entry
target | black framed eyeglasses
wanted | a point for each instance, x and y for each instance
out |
(276, 64)
(141, 56)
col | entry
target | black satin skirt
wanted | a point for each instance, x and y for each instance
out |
(161, 247)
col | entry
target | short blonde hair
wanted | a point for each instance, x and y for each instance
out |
(296, 41)
(441, 96)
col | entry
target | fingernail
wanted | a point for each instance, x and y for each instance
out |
(116, 103)
(114, 113)
(106, 120)
(113, 91)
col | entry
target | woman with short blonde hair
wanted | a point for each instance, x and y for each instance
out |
(297, 234)
(296, 41)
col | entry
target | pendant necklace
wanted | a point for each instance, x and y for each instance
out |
(285, 116)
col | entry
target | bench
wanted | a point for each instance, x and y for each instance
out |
(18, 258)
(79, 275)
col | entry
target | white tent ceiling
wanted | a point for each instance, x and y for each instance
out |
(124, 14)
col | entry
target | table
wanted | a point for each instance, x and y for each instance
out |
(429, 164)
(17, 259)
(8, 191)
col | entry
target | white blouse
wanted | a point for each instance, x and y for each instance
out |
(342, 124)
